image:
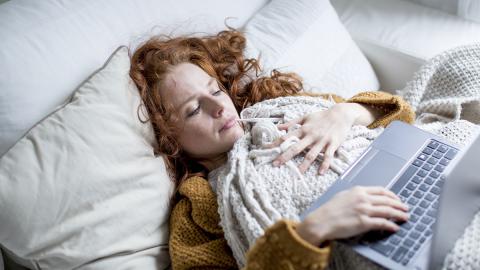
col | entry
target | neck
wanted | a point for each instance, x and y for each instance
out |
(213, 162)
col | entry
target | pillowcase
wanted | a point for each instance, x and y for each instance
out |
(307, 37)
(83, 187)
(48, 47)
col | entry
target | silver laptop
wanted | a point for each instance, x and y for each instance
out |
(418, 166)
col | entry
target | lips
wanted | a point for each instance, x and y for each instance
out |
(228, 124)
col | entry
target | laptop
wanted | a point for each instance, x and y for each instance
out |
(418, 166)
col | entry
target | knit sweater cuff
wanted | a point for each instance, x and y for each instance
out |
(286, 248)
(392, 107)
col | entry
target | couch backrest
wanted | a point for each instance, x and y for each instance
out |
(49, 47)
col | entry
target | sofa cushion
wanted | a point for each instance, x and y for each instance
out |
(306, 37)
(49, 47)
(83, 188)
(410, 28)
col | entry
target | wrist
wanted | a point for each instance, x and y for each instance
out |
(360, 114)
(312, 232)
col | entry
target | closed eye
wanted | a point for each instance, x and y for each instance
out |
(217, 93)
(194, 112)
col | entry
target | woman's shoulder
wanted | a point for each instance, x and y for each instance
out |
(199, 203)
(195, 186)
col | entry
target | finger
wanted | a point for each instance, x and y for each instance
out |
(292, 151)
(377, 223)
(387, 201)
(382, 191)
(327, 157)
(311, 156)
(283, 138)
(387, 213)
(295, 121)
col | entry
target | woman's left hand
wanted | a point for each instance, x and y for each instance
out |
(322, 131)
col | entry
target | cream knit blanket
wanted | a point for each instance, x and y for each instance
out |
(253, 195)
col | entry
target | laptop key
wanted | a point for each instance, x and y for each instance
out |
(429, 181)
(419, 211)
(399, 254)
(428, 232)
(395, 240)
(432, 213)
(426, 220)
(444, 161)
(403, 180)
(427, 151)
(424, 204)
(435, 190)
(418, 194)
(442, 148)
(450, 154)
(417, 162)
(422, 239)
(422, 173)
(414, 234)
(401, 232)
(439, 168)
(412, 201)
(430, 197)
(384, 249)
(433, 144)
(424, 187)
(413, 218)
(432, 160)
(416, 179)
(434, 174)
(416, 247)
(411, 186)
(406, 193)
(420, 227)
(427, 167)
(422, 157)
(437, 154)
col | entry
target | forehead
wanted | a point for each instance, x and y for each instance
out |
(183, 81)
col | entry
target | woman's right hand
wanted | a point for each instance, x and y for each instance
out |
(352, 212)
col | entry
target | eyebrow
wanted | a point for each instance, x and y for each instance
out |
(210, 82)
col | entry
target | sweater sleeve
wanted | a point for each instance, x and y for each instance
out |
(197, 241)
(393, 107)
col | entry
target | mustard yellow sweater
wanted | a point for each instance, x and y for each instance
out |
(196, 238)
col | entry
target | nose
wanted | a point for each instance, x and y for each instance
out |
(217, 108)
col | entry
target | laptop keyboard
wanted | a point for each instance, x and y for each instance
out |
(419, 187)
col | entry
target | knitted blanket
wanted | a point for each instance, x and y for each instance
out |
(252, 194)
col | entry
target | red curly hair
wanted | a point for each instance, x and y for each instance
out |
(220, 56)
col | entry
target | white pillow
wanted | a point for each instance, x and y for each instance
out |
(48, 47)
(308, 38)
(83, 187)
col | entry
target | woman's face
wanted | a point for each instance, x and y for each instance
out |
(206, 115)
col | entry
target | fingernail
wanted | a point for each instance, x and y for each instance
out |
(276, 163)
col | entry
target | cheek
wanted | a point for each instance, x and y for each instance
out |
(195, 135)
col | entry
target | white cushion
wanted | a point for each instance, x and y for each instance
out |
(83, 187)
(307, 37)
(49, 47)
(405, 26)
(467, 9)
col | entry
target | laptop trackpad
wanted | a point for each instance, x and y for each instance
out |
(380, 170)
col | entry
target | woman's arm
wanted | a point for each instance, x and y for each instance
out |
(196, 238)
(324, 131)
(197, 241)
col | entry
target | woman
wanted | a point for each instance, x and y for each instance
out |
(193, 90)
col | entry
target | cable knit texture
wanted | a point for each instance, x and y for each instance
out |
(446, 89)
(197, 239)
